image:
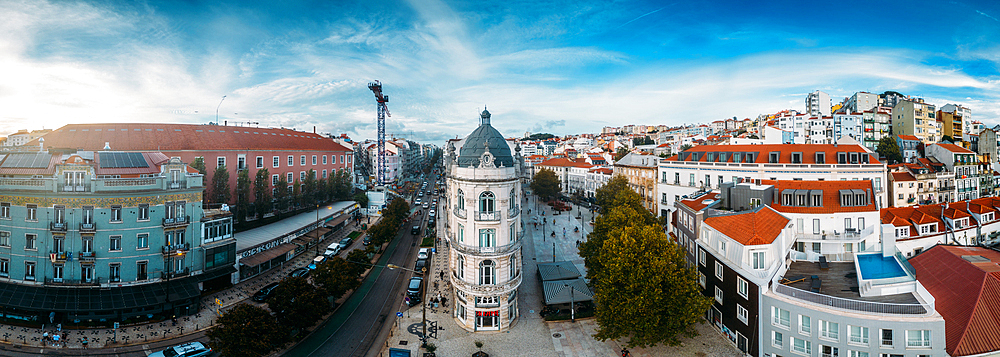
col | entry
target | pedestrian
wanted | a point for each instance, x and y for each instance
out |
(625, 352)
(441, 274)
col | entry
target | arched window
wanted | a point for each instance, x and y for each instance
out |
(487, 202)
(487, 237)
(460, 200)
(513, 197)
(487, 273)
(513, 266)
(460, 267)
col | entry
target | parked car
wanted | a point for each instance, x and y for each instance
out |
(332, 250)
(413, 290)
(264, 292)
(344, 243)
(431, 213)
(424, 253)
(190, 349)
(300, 272)
(420, 266)
(319, 259)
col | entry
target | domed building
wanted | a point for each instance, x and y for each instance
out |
(483, 226)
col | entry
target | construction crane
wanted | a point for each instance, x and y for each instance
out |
(383, 111)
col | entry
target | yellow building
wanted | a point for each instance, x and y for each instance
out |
(914, 117)
(951, 124)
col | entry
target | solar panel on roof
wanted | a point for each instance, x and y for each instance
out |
(117, 160)
(27, 160)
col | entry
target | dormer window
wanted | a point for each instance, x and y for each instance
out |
(796, 157)
(736, 157)
(786, 199)
(773, 157)
(820, 157)
(711, 157)
(750, 158)
(722, 157)
(854, 157)
(817, 200)
(841, 157)
(800, 200)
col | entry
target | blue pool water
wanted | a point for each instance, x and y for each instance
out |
(874, 266)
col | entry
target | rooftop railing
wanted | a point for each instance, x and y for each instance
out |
(851, 304)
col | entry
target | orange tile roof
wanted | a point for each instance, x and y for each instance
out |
(831, 195)
(564, 162)
(700, 203)
(902, 176)
(966, 294)
(785, 151)
(955, 148)
(908, 137)
(751, 228)
(188, 137)
(602, 170)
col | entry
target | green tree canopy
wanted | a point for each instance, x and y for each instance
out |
(281, 194)
(362, 199)
(199, 164)
(242, 195)
(337, 276)
(296, 303)
(221, 193)
(309, 189)
(296, 198)
(889, 149)
(643, 287)
(620, 153)
(540, 136)
(546, 184)
(262, 193)
(246, 330)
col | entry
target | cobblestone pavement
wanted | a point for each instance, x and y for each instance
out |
(141, 334)
(531, 335)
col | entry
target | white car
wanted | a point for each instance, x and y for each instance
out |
(190, 349)
(426, 205)
(423, 253)
(431, 213)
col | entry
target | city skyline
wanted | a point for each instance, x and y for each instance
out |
(564, 68)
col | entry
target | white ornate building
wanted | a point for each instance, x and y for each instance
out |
(483, 226)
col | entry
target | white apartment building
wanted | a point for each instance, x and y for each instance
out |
(860, 102)
(963, 163)
(481, 220)
(818, 104)
(596, 177)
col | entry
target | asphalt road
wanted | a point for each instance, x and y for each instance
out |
(355, 327)
(130, 351)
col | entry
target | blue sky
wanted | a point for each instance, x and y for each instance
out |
(562, 67)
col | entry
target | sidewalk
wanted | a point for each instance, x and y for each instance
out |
(143, 334)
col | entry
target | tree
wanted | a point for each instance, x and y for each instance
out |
(309, 188)
(296, 194)
(362, 199)
(220, 185)
(540, 136)
(242, 195)
(947, 138)
(262, 193)
(642, 140)
(336, 276)
(643, 287)
(246, 330)
(358, 260)
(298, 304)
(281, 194)
(685, 147)
(546, 185)
(199, 164)
(889, 148)
(620, 153)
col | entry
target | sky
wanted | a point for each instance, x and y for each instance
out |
(562, 67)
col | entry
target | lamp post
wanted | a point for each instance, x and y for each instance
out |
(317, 229)
(217, 110)
(572, 303)
(423, 304)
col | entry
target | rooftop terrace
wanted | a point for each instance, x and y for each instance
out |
(839, 289)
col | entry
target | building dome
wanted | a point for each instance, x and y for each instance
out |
(485, 138)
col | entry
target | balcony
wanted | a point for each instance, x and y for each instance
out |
(73, 282)
(58, 256)
(57, 226)
(74, 188)
(486, 290)
(176, 221)
(87, 256)
(486, 251)
(174, 248)
(176, 274)
(945, 188)
(514, 211)
(175, 185)
(487, 216)
(851, 304)
(88, 227)
(460, 213)
(129, 182)
(849, 235)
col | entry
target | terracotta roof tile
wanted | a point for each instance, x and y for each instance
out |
(908, 137)
(955, 148)
(902, 176)
(564, 162)
(752, 228)
(808, 152)
(700, 203)
(831, 195)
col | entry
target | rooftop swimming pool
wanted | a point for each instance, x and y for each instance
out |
(874, 266)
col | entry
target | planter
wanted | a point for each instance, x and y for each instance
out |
(480, 354)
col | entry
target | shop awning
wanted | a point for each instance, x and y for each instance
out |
(267, 255)
(336, 221)
(209, 275)
(558, 271)
(566, 291)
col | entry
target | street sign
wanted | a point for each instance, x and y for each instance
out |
(399, 314)
(407, 299)
(116, 325)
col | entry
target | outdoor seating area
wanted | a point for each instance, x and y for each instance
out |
(838, 280)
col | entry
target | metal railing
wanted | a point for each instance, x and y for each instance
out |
(945, 188)
(487, 216)
(514, 211)
(173, 248)
(74, 188)
(852, 305)
(487, 290)
(174, 274)
(176, 221)
(87, 256)
(853, 234)
(68, 282)
(122, 182)
(173, 185)
(58, 256)
(57, 226)
(486, 251)
(88, 227)
(460, 213)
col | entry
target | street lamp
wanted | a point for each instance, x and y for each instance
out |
(572, 302)
(423, 304)
(217, 110)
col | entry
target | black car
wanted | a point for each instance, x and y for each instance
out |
(413, 290)
(264, 292)
(303, 272)
(420, 266)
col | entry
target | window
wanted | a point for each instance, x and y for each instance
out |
(4, 239)
(918, 338)
(858, 335)
(773, 157)
(32, 213)
(274, 180)
(29, 241)
(460, 267)
(487, 237)
(302, 160)
(701, 256)
(719, 270)
(741, 313)
(805, 325)
(116, 213)
(487, 202)
(758, 260)
(829, 351)
(274, 162)
(142, 241)
(29, 270)
(852, 353)
(461, 233)
(324, 159)
(742, 287)
(115, 272)
(4, 210)
(722, 247)
(487, 273)
(116, 243)
(801, 346)
(291, 160)
(513, 267)
(221, 161)
(830, 330)
(886, 338)
(820, 157)
(677, 178)
(718, 294)
(260, 162)
(777, 339)
(141, 271)
(289, 178)
(691, 182)
(143, 212)
(701, 279)
(796, 157)
(314, 159)
(4, 267)
(241, 162)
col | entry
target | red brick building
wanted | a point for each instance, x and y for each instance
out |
(283, 152)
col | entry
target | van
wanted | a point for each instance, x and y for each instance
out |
(332, 250)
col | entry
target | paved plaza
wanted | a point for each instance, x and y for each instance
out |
(531, 335)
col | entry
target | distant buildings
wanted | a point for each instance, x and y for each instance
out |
(818, 104)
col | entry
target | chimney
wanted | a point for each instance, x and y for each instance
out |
(224, 123)
(314, 129)
(107, 146)
(41, 144)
